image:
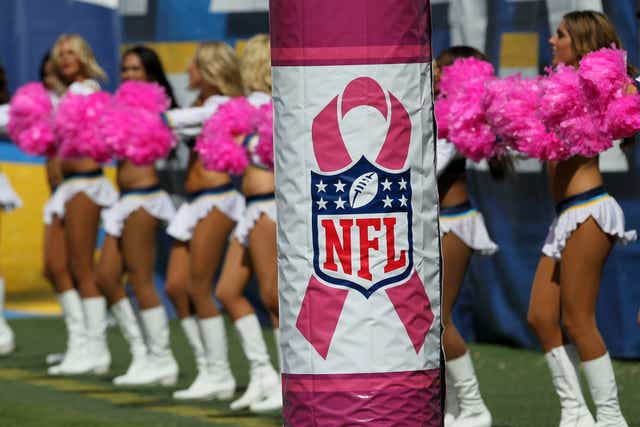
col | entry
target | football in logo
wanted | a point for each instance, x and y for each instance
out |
(363, 190)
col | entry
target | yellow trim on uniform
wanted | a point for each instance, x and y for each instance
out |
(458, 217)
(591, 202)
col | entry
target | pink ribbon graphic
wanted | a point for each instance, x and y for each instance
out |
(323, 304)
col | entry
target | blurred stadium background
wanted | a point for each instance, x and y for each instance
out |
(493, 305)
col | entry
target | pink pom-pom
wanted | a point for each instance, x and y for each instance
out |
(77, 126)
(605, 82)
(603, 76)
(132, 127)
(264, 124)
(564, 111)
(511, 110)
(462, 73)
(217, 145)
(30, 120)
(136, 134)
(145, 95)
(462, 86)
(623, 117)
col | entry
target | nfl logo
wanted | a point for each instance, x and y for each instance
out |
(362, 233)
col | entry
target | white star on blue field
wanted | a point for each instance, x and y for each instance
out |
(331, 193)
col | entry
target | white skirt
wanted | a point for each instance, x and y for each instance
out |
(603, 209)
(153, 200)
(224, 198)
(256, 206)
(468, 224)
(9, 200)
(95, 185)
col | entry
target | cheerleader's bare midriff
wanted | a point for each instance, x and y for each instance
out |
(199, 178)
(133, 177)
(453, 191)
(257, 181)
(83, 164)
(573, 176)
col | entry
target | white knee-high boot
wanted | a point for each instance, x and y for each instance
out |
(263, 380)
(564, 374)
(198, 389)
(128, 322)
(604, 390)
(473, 411)
(73, 316)
(451, 407)
(163, 368)
(220, 380)
(274, 401)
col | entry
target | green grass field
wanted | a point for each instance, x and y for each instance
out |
(515, 383)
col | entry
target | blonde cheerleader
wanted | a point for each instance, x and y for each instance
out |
(201, 227)
(77, 202)
(252, 249)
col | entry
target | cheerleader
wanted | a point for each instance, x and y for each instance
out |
(129, 248)
(77, 202)
(253, 247)
(463, 232)
(201, 227)
(56, 264)
(567, 280)
(9, 201)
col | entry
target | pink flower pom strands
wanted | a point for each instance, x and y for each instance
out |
(462, 86)
(136, 134)
(77, 126)
(217, 145)
(30, 120)
(604, 81)
(511, 109)
(132, 127)
(145, 95)
(264, 124)
(564, 111)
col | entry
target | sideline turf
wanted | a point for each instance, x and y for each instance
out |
(515, 384)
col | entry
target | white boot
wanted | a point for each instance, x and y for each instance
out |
(218, 382)
(473, 411)
(73, 316)
(263, 378)
(270, 404)
(199, 386)
(451, 407)
(574, 411)
(604, 390)
(7, 340)
(274, 401)
(93, 356)
(161, 365)
(128, 322)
